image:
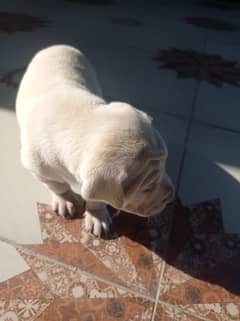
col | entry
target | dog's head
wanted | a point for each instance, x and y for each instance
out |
(127, 167)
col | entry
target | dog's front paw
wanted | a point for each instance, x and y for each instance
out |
(67, 206)
(97, 222)
(62, 207)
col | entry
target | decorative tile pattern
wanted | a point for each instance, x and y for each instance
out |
(67, 282)
(170, 313)
(22, 310)
(55, 228)
(201, 268)
(98, 310)
(201, 66)
(78, 256)
(214, 24)
(64, 293)
(14, 22)
(217, 311)
(126, 259)
(23, 286)
(74, 273)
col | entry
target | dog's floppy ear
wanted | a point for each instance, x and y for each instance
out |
(99, 187)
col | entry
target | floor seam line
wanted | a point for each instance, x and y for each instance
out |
(189, 127)
(186, 138)
(75, 268)
(158, 291)
(177, 307)
(162, 269)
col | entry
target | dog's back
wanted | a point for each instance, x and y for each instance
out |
(54, 69)
(56, 95)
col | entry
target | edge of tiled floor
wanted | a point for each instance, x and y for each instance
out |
(28, 250)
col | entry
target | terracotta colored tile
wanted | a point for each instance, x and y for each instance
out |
(120, 260)
(98, 310)
(202, 265)
(171, 313)
(115, 257)
(205, 271)
(147, 266)
(77, 255)
(134, 253)
(216, 311)
(130, 251)
(129, 257)
(67, 282)
(23, 286)
(22, 310)
(55, 228)
(139, 236)
(203, 218)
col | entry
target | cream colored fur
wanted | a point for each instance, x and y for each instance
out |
(84, 148)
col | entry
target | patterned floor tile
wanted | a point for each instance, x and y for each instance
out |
(170, 313)
(52, 291)
(67, 282)
(196, 312)
(129, 255)
(204, 272)
(78, 256)
(98, 310)
(22, 309)
(216, 311)
(126, 258)
(23, 286)
(202, 265)
(54, 228)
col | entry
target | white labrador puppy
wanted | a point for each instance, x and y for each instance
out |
(85, 149)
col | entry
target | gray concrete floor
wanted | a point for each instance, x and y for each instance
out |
(194, 100)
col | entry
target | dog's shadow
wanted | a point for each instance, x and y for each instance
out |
(202, 251)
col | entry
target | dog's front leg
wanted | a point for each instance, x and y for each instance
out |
(97, 218)
(64, 201)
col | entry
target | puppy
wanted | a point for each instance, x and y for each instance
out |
(88, 152)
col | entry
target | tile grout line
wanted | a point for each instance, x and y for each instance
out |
(200, 122)
(187, 136)
(179, 308)
(75, 268)
(162, 271)
(219, 127)
(189, 126)
(190, 121)
(158, 291)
